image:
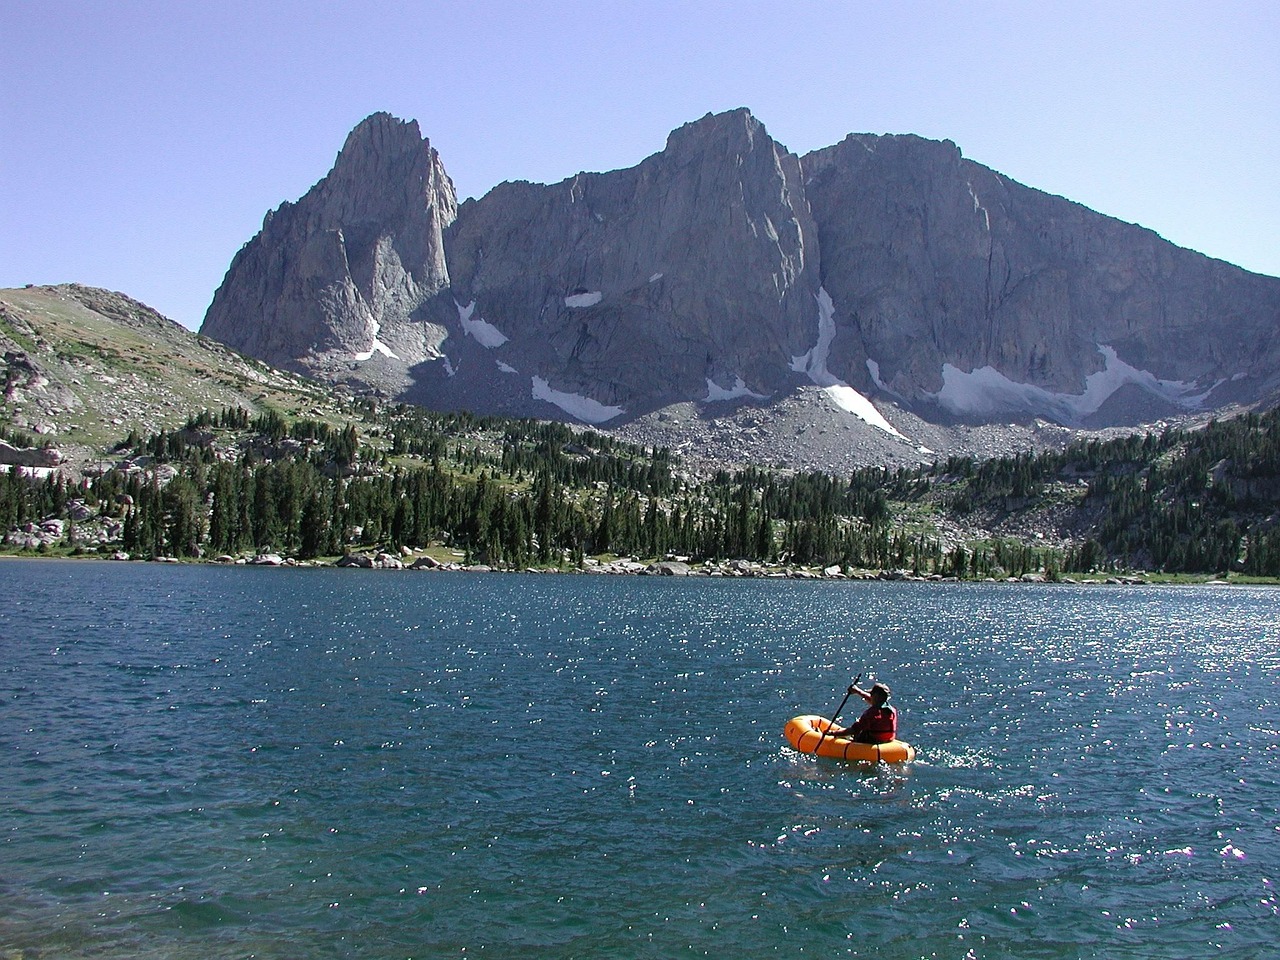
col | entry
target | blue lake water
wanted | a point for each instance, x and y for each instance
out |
(210, 762)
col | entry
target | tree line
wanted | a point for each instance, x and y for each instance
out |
(521, 493)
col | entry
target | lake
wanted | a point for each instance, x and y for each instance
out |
(199, 761)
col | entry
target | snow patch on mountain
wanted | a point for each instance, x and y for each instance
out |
(587, 299)
(738, 390)
(978, 207)
(814, 364)
(873, 368)
(986, 391)
(484, 332)
(377, 346)
(574, 404)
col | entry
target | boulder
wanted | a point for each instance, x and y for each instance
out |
(668, 568)
(41, 457)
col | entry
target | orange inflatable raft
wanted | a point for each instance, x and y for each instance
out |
(804, 733)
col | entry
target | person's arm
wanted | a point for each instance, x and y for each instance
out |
(854, 729)
(854, 688)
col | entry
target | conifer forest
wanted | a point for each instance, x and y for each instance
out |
(521, 494)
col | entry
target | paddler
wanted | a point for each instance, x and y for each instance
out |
(878, 723)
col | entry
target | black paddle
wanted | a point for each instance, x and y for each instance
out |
(847, 694)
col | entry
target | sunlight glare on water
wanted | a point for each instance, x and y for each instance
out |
(211, 762)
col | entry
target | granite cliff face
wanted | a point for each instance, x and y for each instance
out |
(687, 276)
(903, 282)
(965, 289)
(338, 277)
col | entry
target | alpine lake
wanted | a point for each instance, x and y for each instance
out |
(209, 762)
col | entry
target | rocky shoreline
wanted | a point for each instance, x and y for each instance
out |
(624, 566)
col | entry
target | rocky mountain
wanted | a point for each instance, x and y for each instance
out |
(912, 298)
(83, 367)
(990, 299)
(339, 277)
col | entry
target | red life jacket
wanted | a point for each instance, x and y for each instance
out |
(876, 725)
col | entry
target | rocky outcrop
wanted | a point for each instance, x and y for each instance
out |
(725, 270)
(25, 381)
(42, 457)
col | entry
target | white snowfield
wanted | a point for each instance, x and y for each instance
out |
(484, 332)
(814, 364)
(979, 208)
(574, 404)
(377, 346)
(739, 389)
(987, 391)
(583, 299)
(506, 367)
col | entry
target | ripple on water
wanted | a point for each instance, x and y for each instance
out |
(233, 762)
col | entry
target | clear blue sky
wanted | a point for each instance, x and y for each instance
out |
(142, 142)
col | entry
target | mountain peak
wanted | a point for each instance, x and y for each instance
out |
(383, 134)
(731, 125)
(361, 251)
(385, 164)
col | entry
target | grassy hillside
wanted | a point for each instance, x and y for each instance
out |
(83, 367)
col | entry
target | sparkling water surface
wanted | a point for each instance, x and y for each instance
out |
(211, 762)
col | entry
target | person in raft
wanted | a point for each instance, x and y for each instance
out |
(878, 723)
